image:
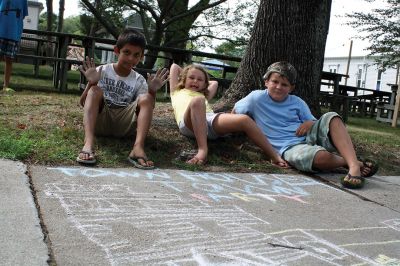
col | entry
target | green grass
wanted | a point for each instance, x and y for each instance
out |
(15, 146)
(45, 127)
(378, 141)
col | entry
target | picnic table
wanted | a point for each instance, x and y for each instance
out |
(332, 79)
(338, 101)
(385, 110)
(365, 100)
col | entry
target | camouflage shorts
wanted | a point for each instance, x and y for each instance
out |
(8, 48)
(301, 155)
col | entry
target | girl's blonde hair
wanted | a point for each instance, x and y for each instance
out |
(183, 76)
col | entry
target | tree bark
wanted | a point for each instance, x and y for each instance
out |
(61, 16)
(293, 31)
(49, 7)
(94, 23)
(49, 46)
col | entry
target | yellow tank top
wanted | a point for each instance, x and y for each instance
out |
(180, 100)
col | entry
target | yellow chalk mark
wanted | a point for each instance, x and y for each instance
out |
(244, 197)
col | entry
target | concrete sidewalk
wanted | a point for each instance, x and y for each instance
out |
(97, 216)
(22, 240)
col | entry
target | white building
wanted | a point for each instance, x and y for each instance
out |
(31, 21)
(363, 72)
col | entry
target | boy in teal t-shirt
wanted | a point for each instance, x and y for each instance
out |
(12, 14)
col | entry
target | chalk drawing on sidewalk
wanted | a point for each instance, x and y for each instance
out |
(215, 187)
(154, 228)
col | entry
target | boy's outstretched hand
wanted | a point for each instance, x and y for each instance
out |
(304, 128)
(156, 81)
(88, 68)
(281, 163)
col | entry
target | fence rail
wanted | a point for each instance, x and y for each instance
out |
(37, 44)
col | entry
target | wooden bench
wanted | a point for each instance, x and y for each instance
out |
(332, 79)
(385, 113)
(337, 103)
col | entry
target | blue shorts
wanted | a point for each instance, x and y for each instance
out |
(301, 156)
(8, 48)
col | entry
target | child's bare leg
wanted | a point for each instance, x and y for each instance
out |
(93, 102)
(344, 145)
(325, 160)
(7, 71)
(195, 120)
(229, 123)
(144, 117)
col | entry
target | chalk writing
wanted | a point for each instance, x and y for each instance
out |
(135, 228)
(215, 187)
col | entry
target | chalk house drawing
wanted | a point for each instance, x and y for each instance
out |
(173, 231)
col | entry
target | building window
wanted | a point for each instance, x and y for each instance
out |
(378, 80)
(359, 75)
(333, 68)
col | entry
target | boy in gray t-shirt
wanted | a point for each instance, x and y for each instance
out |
(117, 100)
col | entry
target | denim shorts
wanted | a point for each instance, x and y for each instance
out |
(301, 156)
(184, 130)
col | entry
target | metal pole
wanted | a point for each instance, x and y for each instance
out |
(348, 63)
(397, 102)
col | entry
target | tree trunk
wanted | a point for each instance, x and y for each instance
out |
(94, 24)
(293, 31)
(61, 16)
(49, 6)
(49, 46)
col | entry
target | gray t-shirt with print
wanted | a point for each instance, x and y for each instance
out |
(121, 91)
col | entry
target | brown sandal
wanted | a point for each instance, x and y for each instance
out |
(91, 158)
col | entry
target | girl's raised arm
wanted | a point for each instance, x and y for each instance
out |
(212, 89)
(174, 72)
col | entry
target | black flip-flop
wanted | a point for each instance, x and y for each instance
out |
(373, 166)
(351, 185)
(135, 161)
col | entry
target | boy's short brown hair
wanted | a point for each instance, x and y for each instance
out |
(283, 68)
(131, 36)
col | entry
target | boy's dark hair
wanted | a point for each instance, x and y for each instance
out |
(131, 36)
(283, 68)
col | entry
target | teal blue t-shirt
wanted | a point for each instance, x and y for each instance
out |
(12, 14)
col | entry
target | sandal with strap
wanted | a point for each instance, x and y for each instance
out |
(89, 161)
(347, 182)
(371, 165)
